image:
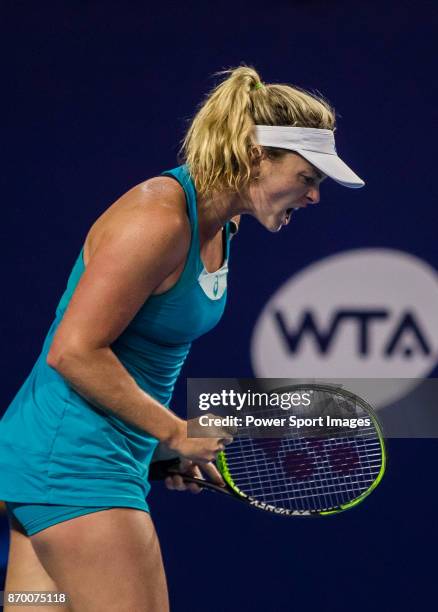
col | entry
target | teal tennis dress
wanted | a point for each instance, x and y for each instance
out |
(56, 447)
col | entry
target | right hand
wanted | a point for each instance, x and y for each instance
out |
(199, 450)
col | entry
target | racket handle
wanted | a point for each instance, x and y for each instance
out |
(159, 470)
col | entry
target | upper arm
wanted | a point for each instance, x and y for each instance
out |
(133, 256)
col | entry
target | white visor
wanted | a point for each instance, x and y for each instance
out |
(317, 146)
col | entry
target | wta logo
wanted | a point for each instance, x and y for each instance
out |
(368, 313)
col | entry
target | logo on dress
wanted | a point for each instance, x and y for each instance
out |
(214, 284)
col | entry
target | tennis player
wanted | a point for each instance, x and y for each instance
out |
(77, 440)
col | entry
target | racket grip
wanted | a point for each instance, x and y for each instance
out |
(159, 470)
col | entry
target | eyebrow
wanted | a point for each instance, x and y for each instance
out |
(315, 171)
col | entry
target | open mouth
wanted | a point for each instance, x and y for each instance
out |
(287, 214)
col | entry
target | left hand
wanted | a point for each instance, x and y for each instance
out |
(190, 468)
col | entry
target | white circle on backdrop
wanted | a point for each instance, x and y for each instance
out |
(360, 314)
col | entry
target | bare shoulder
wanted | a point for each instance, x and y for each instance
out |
(157, 199)
(156, 206)
(163, 187)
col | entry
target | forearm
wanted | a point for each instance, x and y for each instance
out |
(101, 378)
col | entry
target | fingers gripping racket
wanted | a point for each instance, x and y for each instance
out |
(302, 473)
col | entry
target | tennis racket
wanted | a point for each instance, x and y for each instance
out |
(305, 472)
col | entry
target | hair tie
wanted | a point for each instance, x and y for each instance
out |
(258, 86)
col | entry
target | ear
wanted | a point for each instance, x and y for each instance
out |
(256, 152)
(256, 155)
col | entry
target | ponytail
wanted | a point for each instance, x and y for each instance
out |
(218, 143)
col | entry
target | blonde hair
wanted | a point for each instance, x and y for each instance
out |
(217, 146)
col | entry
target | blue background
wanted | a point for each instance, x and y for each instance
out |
(96, 98)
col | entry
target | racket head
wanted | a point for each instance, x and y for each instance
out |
(308, 476)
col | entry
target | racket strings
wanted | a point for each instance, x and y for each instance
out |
(300, 473)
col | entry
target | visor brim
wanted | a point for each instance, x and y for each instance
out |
(333, 167)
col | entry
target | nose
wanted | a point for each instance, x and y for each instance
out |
(313, 195)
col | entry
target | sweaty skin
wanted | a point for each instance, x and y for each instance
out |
(137, 248)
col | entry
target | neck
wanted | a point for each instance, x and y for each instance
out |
(215, 211)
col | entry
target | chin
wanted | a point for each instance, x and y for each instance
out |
(276, 229)
(273, 226)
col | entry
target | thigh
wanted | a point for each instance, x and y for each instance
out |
(106, 561)
(25, 571)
